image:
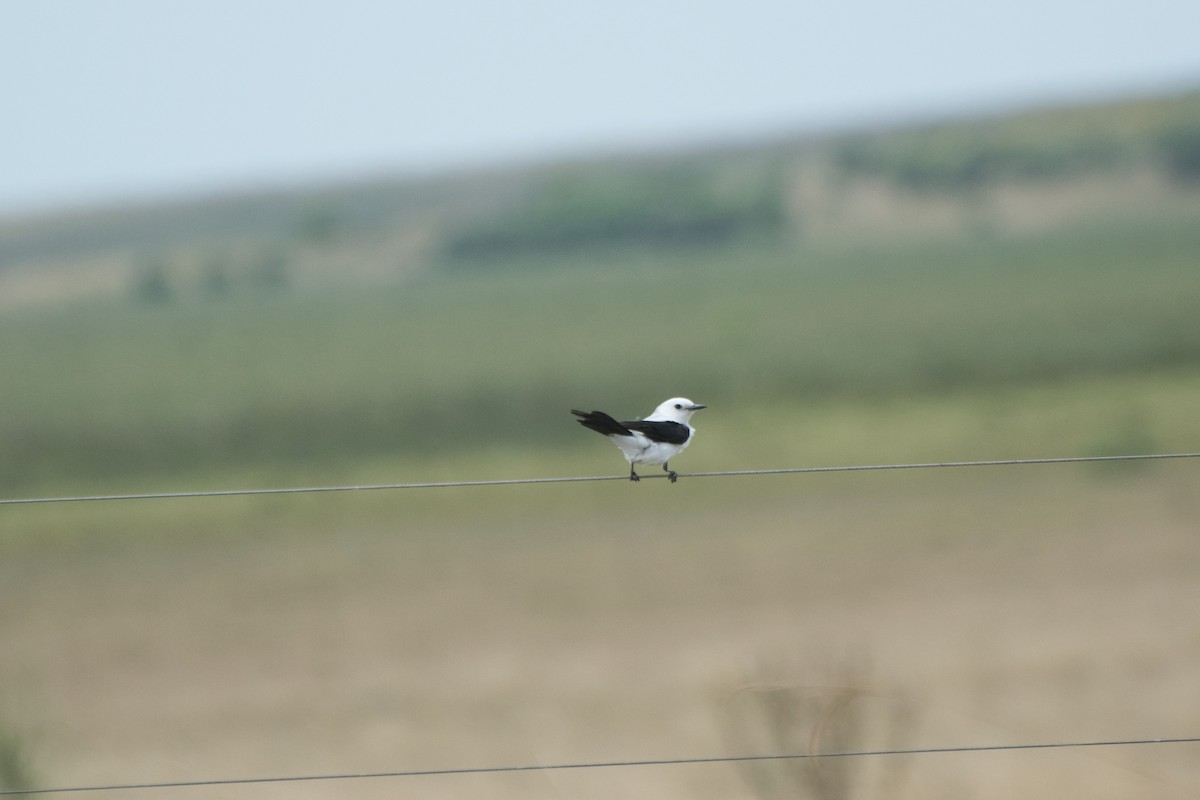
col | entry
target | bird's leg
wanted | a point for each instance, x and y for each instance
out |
(633, 476)
(672, 475)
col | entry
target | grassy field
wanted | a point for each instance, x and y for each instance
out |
(100, 392)
(249, 637)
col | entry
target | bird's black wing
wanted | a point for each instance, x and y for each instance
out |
(666, 432)
(600, 422)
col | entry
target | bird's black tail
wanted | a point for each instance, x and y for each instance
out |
(600, 422)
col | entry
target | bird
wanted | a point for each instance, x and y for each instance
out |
(654, 440)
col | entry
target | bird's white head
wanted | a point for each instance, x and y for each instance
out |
(677, 409)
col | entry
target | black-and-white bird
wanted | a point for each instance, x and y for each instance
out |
(654, 440)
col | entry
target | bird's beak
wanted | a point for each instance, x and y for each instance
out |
(698, 406)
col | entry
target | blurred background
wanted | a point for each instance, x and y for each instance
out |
(269, 245)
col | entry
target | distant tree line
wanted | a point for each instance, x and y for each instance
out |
(954, 159)
(666, 206)
(1179, 147)
(950, 158)
(158, 280)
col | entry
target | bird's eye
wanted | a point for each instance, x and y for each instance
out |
(677, 405)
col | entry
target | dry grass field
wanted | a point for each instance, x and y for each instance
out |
(257, 637)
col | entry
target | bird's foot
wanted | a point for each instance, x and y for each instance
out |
(634, 477)
(672, 475)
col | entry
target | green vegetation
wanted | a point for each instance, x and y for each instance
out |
(664, 206)
(110, 389)
(940, 159)
(1033, 147)
(593, 283)
(15, 769)
(1180, 148)
(152, 283)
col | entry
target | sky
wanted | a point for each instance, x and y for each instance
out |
(135, 100)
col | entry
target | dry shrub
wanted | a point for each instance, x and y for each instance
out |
(840, 713)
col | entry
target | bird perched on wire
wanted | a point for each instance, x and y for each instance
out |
(654, 440)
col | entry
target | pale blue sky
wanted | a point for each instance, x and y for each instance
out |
(134, 99)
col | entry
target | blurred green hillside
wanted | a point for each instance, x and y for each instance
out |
(321, 327)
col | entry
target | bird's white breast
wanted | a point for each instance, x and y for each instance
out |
(638, 449)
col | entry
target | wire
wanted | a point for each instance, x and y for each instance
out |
(578, 479)
(661, 762)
